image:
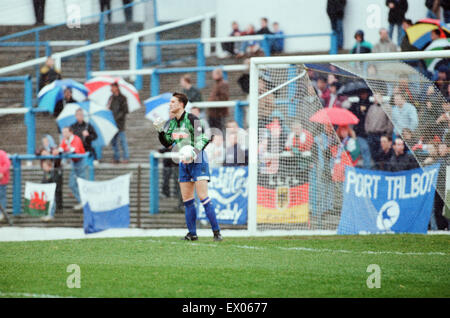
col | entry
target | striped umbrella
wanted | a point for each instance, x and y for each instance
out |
(100, 91)
(157, 107)
(419, 34)
(98, 116)
(441, 44)
(52, 93)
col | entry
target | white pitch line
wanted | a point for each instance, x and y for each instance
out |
(13, 294)
(300, 248)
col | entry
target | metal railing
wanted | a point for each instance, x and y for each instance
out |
(30, 121)
(16, 161)
(101, 23)
(155, 73)
(48, 48)
(132, 38)
(203, 49)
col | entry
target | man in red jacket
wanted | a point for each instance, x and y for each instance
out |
(71, 143)
(5, 163)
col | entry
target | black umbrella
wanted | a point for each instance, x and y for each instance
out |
(353, 88)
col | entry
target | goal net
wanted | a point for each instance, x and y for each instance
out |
(303, 133)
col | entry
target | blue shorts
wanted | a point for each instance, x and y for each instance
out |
(195, 171)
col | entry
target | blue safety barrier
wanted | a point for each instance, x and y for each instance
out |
(201, 59)
(17, 159)
(101, 34)
(48, 52)
(30, 121)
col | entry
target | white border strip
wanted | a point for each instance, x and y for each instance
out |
(20, 234)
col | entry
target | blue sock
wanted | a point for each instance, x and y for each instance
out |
(191, 216)
(210, 213)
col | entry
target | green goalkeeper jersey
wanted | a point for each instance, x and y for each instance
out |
(188, 130)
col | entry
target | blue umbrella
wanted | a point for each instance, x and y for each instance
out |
(99, 117)
(52, 93)
(158, 107)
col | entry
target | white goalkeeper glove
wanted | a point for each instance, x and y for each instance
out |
(158, 123)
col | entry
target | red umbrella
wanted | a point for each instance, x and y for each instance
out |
(334, 116)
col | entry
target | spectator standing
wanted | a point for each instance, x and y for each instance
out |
(39, 11)
(345, 153)
(403, 88)
(72, 144)
(265, 30)
(385, 44)
(397, 11)
(335, 100)
(193, 94)
(277, 43)
(50, 175)
(444, 159)
(401, 159)
(377, 123)
(128, 12)
(5, 164)
(430, 112)
(361, 46)
(202, 117)
(215, 151)
(54, 172)
(244, 80)
(170, 172)
(384, 153)
(434, 9)
(85, 132)
(404, 115)
(445, 4)
(442, 80)
(117, 103)
(231, 47)
(67, 99)
(236, 153)
(105, 5)
(220, 92)
(300, 142)
(335, 11)
(48, 73)
(264, 27)
(360, 110)
(323, 91)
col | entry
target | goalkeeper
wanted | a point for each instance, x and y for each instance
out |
(186, 132)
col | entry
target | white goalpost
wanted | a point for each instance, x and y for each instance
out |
(292, 192)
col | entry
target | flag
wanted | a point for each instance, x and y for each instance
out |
(106, 204)
(387, 202)
(282, 199)
(39, 198)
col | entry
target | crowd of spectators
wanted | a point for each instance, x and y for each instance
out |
(398, 129)
(254, 47)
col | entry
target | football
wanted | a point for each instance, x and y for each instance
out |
(187, 154)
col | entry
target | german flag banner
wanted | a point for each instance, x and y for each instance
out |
(282, 200)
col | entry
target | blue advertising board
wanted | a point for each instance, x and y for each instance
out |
(229, 193)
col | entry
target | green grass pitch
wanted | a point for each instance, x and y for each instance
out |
(327, 266)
